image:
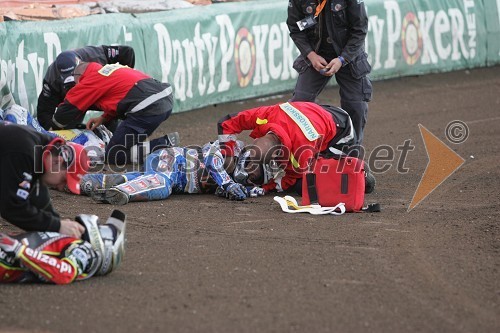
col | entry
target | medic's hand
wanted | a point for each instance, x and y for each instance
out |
(255, 191)
(93, 123)
(71, 228)
(12, 247)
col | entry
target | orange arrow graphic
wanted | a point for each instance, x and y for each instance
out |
(443, 162)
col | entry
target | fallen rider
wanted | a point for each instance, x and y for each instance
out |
(94, 141)
(171, 170)
(52, 257)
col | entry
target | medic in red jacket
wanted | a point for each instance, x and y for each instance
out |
(121, 92)
(115, 89)
(303, 128)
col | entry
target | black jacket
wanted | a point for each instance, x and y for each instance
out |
(344, 22)
(24, 200)
(52, 91)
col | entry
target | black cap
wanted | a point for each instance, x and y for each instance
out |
(66, 63)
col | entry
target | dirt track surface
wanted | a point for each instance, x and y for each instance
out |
(200, 263)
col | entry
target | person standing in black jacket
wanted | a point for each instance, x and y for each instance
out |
(30, 162)
(330, 35)
(59, 79)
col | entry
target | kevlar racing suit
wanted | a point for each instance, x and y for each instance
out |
(50, 257)
(56, 258)
(53, 91)
(339, 32)
(171, 170)
(303, 128)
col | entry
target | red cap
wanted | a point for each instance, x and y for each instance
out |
(78, 163)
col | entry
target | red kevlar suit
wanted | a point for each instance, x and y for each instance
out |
(303, 134)
(49, 257)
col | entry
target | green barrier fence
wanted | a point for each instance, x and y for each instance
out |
(233, 51)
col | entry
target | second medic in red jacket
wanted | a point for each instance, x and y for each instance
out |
(286, 137)
(120, 92)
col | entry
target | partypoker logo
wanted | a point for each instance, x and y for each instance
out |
(244, 56)
(411, 38)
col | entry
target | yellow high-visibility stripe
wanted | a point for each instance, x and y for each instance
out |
(294, 162)
(38, 268)
(72, 264)
(11, 268)
(51, 253)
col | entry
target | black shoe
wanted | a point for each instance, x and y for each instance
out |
(94, 181)
(172, 139)
(112, 196)
(369, 180)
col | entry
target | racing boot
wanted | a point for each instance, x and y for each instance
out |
(172, 139)
(113, 236)
(94, 181)
(167, 141)
(107, 240)
(111, 196)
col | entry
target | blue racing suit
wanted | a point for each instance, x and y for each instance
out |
(171, 170)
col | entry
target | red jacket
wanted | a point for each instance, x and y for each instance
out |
(114, 89)
(102, 89)
(265, 119)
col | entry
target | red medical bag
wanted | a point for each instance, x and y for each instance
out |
(334, 180)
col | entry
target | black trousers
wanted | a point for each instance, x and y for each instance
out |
(354, 93)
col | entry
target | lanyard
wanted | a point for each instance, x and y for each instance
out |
(319, 8)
